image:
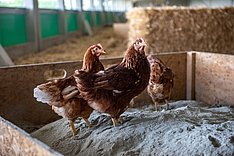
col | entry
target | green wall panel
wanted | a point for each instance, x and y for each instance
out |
(98, 18)
(49, 24)
(12, 29)
(71, 22)
(88, 17)
(107, 15)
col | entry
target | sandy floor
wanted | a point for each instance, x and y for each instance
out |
(187, 129)
(74, 48)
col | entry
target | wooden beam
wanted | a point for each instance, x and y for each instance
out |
(93, 14)
(33, 24)
(190, 86)
(62, 19)
(85, 24)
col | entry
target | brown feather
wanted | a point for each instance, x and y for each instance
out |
(74, 106)
(161, 81)
(111, 91)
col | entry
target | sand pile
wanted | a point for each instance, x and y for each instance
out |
(171, 29)
(186, 129)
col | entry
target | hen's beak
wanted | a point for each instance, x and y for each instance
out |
(102, 51)
(143, 44)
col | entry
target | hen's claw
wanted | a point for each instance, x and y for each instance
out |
(87, 122)
(120, 120)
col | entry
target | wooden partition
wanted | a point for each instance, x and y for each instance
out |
(208, 77)
(214, 78)
(18, 105)
(14, 141)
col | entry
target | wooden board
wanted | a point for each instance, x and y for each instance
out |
(214, 78)
(18, 105)
(15, 142)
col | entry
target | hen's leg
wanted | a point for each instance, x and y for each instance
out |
(156, 105)
(114, 121)
(73, 128)
(87, 122)
(167, 108)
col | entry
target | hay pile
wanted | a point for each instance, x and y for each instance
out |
(169, 29)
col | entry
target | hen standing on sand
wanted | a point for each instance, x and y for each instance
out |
(62, 94)
(110, 91)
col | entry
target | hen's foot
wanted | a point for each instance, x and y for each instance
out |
(167, 105)
(156, 106)
(87, 122)
(120, 120)
(115, 122)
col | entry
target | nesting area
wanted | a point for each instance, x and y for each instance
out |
(171, 29)
(189, 127)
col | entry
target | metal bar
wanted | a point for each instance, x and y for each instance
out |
(13, 10)
(49, 11)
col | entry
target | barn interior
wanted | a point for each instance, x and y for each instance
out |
(40, 39)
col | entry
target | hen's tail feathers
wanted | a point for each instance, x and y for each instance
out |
(42, 96)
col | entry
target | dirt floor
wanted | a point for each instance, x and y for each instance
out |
(189, 128)
(74, 48)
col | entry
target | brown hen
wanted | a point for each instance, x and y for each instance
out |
(63, 95)
(161, 82)
(110, 91)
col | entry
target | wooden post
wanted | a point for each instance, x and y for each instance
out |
(190, 89)
(103, 13)
(33, 24)
(78, 17)
(93, 14)
(62, 19)
(85, 24)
